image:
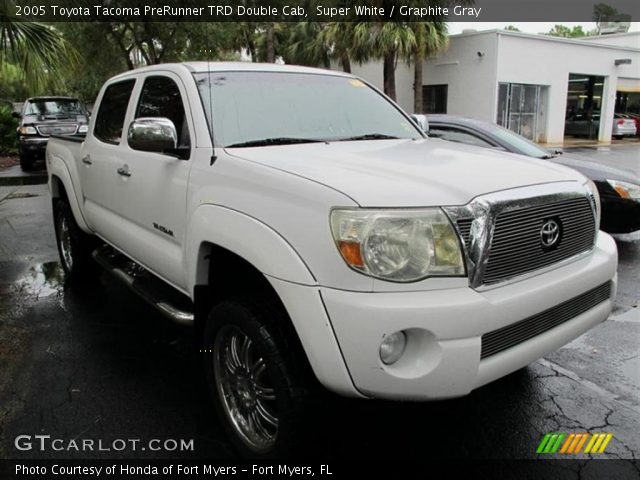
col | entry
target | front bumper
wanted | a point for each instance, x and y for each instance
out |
(624, 132)
(445, 328)
(620, 215)
(33, 145)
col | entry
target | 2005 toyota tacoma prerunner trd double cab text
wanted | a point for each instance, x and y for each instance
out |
(312, 234)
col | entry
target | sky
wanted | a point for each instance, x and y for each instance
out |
(526, 27)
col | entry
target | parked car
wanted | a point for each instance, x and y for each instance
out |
(580, 125)
(619, 190)
(623, 126)
(636, 118)
(42, 117)
(313, 235)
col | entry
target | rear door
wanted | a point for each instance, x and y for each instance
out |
(101, 152)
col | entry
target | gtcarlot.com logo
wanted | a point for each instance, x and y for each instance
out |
(47, 443)
(574, 443)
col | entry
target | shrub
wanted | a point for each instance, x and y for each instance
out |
(8, 137)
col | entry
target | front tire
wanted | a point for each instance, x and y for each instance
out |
(74, 246)
(258, 377)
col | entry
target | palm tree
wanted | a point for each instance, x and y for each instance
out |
(35, 47)
(317, 43)
(308, 45)
(388, 41)
(431, 38)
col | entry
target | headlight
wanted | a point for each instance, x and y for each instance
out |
(28, 131)
(625, 189)
(398, 245)
(83, 129)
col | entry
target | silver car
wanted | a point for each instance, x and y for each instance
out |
(623, 126)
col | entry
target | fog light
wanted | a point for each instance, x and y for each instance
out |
(392, 347)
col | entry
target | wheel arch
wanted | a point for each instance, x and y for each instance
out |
(233, 253)
(61, 186)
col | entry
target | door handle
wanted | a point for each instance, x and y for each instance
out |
(87, 160)
(124, 171)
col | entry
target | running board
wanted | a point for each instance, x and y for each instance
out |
(146, 285)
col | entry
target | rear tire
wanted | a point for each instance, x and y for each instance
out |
(74, 246)
(258, 377)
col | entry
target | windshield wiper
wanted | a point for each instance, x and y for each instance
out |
(368, 136)
(274, 141)
(548, 157)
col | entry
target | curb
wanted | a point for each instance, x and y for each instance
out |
(35, 179)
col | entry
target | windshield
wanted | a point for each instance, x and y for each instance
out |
(266, 108)
(58, 107)
(519, 143)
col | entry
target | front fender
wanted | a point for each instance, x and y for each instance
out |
(247, 237)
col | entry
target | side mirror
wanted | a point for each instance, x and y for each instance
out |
(421, 121)
(152, 134)
(16, 115)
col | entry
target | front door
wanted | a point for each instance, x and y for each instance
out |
(151, 189)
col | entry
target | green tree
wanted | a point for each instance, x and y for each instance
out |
(431, 38)
(123, 46)
(38, 49)
(567, 32)
(511, 28)
(602, 12)
(309, 45)
(388, 41)
(317, 43)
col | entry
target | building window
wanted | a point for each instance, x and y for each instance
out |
(434, 98)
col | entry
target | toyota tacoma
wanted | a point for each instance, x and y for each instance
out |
(313, 235)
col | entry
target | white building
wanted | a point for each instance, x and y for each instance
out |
(540, 86)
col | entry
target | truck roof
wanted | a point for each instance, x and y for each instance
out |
(197, 67)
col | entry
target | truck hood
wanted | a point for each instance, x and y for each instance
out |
(408, 173)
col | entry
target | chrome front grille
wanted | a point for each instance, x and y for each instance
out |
(464, 227)
(48, 130)
(504, 338)
(516, 246)
(505, 233)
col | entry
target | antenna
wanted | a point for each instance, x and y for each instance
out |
(208, 53)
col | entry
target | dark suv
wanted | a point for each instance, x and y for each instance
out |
(45, 116)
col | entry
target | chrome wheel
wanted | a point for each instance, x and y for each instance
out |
(245, 390)
(64, 238)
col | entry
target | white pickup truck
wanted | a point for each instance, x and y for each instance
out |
(311, 233)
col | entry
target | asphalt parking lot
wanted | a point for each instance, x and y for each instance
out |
(96, 362)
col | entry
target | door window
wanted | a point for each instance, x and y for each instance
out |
(457, 135)
(112, 110)
(161, 97)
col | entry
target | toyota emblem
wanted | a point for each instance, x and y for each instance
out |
(550, 234)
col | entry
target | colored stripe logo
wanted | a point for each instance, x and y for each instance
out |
(573, 443)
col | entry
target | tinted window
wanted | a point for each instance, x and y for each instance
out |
(456, 135)
(160, 97)
(112, 110)
(519, 144)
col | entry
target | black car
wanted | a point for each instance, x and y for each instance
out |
(42, 117)
(619, 190)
